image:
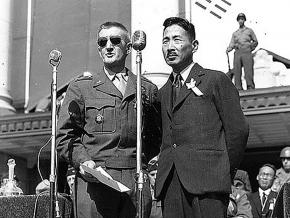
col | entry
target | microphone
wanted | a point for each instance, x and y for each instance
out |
(139, 40)
(54, 56)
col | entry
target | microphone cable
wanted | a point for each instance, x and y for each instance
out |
(38, 158)
(40, 174)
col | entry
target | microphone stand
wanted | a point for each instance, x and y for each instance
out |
(139, 173)
(52, 177)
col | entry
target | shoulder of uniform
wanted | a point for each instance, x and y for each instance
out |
(146, 81)
(250, 29)
(84, 76)
(280, 170)
(236, 31)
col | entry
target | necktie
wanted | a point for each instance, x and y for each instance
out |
(120, 82)
(176, 87)
(263, 198)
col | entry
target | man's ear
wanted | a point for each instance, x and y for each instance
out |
(194, 46)
(257, 177)
(129, 48)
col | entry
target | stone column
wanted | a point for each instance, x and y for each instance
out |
(5, 38)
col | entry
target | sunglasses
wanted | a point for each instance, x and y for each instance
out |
(115, 40)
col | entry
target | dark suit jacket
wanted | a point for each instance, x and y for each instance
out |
(203, 136)
(256, 205)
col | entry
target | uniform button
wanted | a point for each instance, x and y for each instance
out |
(99, 118)
(174, 145)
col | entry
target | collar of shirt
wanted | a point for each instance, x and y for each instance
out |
(110, 74)
(184, 74)
(267, 192)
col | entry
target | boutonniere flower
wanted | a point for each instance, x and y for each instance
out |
(191, 85)
(272, 203)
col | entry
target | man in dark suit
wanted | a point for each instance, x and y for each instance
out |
(204, 131)
(262, 201)
(97, 128)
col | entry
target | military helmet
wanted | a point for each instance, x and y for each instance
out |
(285, 152)
(241, 15)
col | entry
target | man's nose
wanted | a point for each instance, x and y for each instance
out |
(109, 46)
(171, 45)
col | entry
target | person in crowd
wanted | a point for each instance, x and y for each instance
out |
(43, 186)
(156, 211)
(262, 201)
(97, 128)
(283, 173)
(241, 181)
(204, 131)
(244, 41)
(239, 205)
(70, 178)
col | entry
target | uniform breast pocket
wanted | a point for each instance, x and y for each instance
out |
(101, 115)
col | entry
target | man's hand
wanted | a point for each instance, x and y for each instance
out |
(88, 177)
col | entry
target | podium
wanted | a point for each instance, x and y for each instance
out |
(24, 205)
(282, 205)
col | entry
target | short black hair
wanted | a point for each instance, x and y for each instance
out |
(110, 24)
(182, 22)
(269, 165)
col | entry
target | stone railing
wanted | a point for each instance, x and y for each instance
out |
(19, 125)
(266, 100)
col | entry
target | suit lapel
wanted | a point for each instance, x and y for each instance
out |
(167, 95)
(102, 83)
(196, 73)
(267, 203)
(257, 202)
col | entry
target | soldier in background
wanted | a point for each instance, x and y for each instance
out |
(244, 41)
(283, 174)
(239, 206)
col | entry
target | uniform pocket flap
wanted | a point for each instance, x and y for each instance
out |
(100, 103)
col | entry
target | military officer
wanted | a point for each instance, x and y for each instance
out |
(97, 127)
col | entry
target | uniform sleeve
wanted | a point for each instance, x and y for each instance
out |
(70, 127)
(254, 42)
(234, 123)
(232, 43)
(152, 131)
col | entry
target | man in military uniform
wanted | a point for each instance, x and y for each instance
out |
(283, 174)
(244, 41)
(97, 127)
